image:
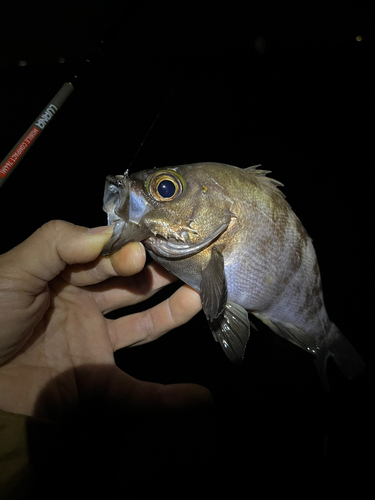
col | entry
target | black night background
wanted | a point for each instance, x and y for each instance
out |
(287, 87)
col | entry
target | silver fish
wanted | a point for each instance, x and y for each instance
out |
(230, 234)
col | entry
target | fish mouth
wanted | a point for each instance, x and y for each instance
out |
(124, 211)
(172, 248)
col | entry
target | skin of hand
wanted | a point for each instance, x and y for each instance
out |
(57, 347)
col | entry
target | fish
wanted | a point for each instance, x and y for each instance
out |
(230, 234)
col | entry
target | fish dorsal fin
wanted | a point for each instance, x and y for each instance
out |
(258, 177)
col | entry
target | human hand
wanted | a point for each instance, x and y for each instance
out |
(57, 348)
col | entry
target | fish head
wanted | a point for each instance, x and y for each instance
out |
(175, 211)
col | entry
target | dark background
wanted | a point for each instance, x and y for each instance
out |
(290, 87)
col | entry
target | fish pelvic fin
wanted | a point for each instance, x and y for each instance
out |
(232, 330)
(346, 358)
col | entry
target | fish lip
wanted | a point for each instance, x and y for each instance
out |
(116, 193)
(117, 202)
(171, 248)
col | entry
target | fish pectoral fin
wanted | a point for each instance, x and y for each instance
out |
(214, 286)
(228, 321)
(295, 335)
(232, 331)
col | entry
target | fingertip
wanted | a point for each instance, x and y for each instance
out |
(106, 230)
(98, 237)
(136, 252)
(141, 249)
(192, 298)
(184, 304)
(130, 259)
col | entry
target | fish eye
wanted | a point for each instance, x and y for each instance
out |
(165, 186)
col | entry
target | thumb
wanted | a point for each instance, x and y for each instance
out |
(52, 247)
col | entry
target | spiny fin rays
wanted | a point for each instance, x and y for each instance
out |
(259, 178)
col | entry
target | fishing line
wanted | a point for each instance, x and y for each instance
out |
(151, 127)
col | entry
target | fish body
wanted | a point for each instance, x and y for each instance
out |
(230, 234)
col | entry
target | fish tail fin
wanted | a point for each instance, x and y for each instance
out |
(343, 354)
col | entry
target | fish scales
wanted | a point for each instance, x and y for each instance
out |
(230, 234)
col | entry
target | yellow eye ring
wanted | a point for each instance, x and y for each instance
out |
(165, 185)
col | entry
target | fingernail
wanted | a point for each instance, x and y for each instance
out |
(143, 250)
(137, 248)
(100, 230)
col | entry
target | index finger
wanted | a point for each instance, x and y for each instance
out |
(129, 260)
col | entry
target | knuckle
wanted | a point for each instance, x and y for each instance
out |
(149, 326)
(52, 229)
(55, 225)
